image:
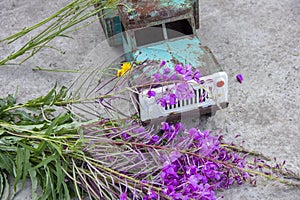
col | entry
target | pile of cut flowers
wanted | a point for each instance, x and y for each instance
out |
(66, 155)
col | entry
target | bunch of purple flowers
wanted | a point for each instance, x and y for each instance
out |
(197, 164)
(180, 88)
(199, 169)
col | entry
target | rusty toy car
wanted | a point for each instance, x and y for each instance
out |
(163, 30)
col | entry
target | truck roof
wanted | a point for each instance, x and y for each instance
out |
(187, 50)
(143, 13)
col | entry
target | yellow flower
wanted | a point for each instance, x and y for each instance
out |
(125, 67)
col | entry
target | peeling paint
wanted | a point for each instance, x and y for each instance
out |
(144, 13)
(186, 50)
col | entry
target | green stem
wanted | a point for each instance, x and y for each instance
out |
(210, 159)
(64, 22)
(95, 163)
(240, 149)
(56, 70)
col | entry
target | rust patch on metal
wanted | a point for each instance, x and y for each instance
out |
(145, 13)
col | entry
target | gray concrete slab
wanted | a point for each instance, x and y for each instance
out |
(260, 39)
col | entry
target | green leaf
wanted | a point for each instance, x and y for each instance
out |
(26, 165)
(26, 146)
(8, 101)
(8, 148)
(41, 147)
(47, 189)
(62, 93)
(66, 191)
(4, 186)
(57, 148)
(19, 166)
(24, 117)
(60, 176)
(10, 140)
(34, 184)
(61, 119)
(6, 163)
(45, 161)
(50, 184)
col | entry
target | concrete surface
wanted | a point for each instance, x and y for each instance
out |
(259, 39)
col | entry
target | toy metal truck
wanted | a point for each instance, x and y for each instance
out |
(165, 30)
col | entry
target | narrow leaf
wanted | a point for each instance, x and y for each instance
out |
(66, 191)
(1, 183)
(6, 163)
(26, 165)
(34, 184)
(41, 147)
(6, 187)
(45, 161)
(19, 167)
(59, 175)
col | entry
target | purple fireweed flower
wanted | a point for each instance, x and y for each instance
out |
(100, 100)
(162, 102)
(194, 180)
(173, 77)
(188, 68)
(165, 126)
(197, 75)
(162, 63)
(184, 91)
(167, 70)
(172, 131)
(165, 77)
(240, 78)
(169, 190)
(150, 195)
(179, 68)
(169, 171)
(207, 192)
(123, 196)
(194, 133)
(125, 136)
(151, 93)
(179, 127)
(187, 73)
(188, 76)
(146, 197)
(154, 139)
(207, 145)
(175, 155)
(139, 130)
(171, 99)
(156, 77)
(191, 170)
(211, 170)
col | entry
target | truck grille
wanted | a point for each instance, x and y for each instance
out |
(205, 95)
(201, 95)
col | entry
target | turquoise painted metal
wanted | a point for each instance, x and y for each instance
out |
(187, 50)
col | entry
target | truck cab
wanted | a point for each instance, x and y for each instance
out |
(160, 30)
